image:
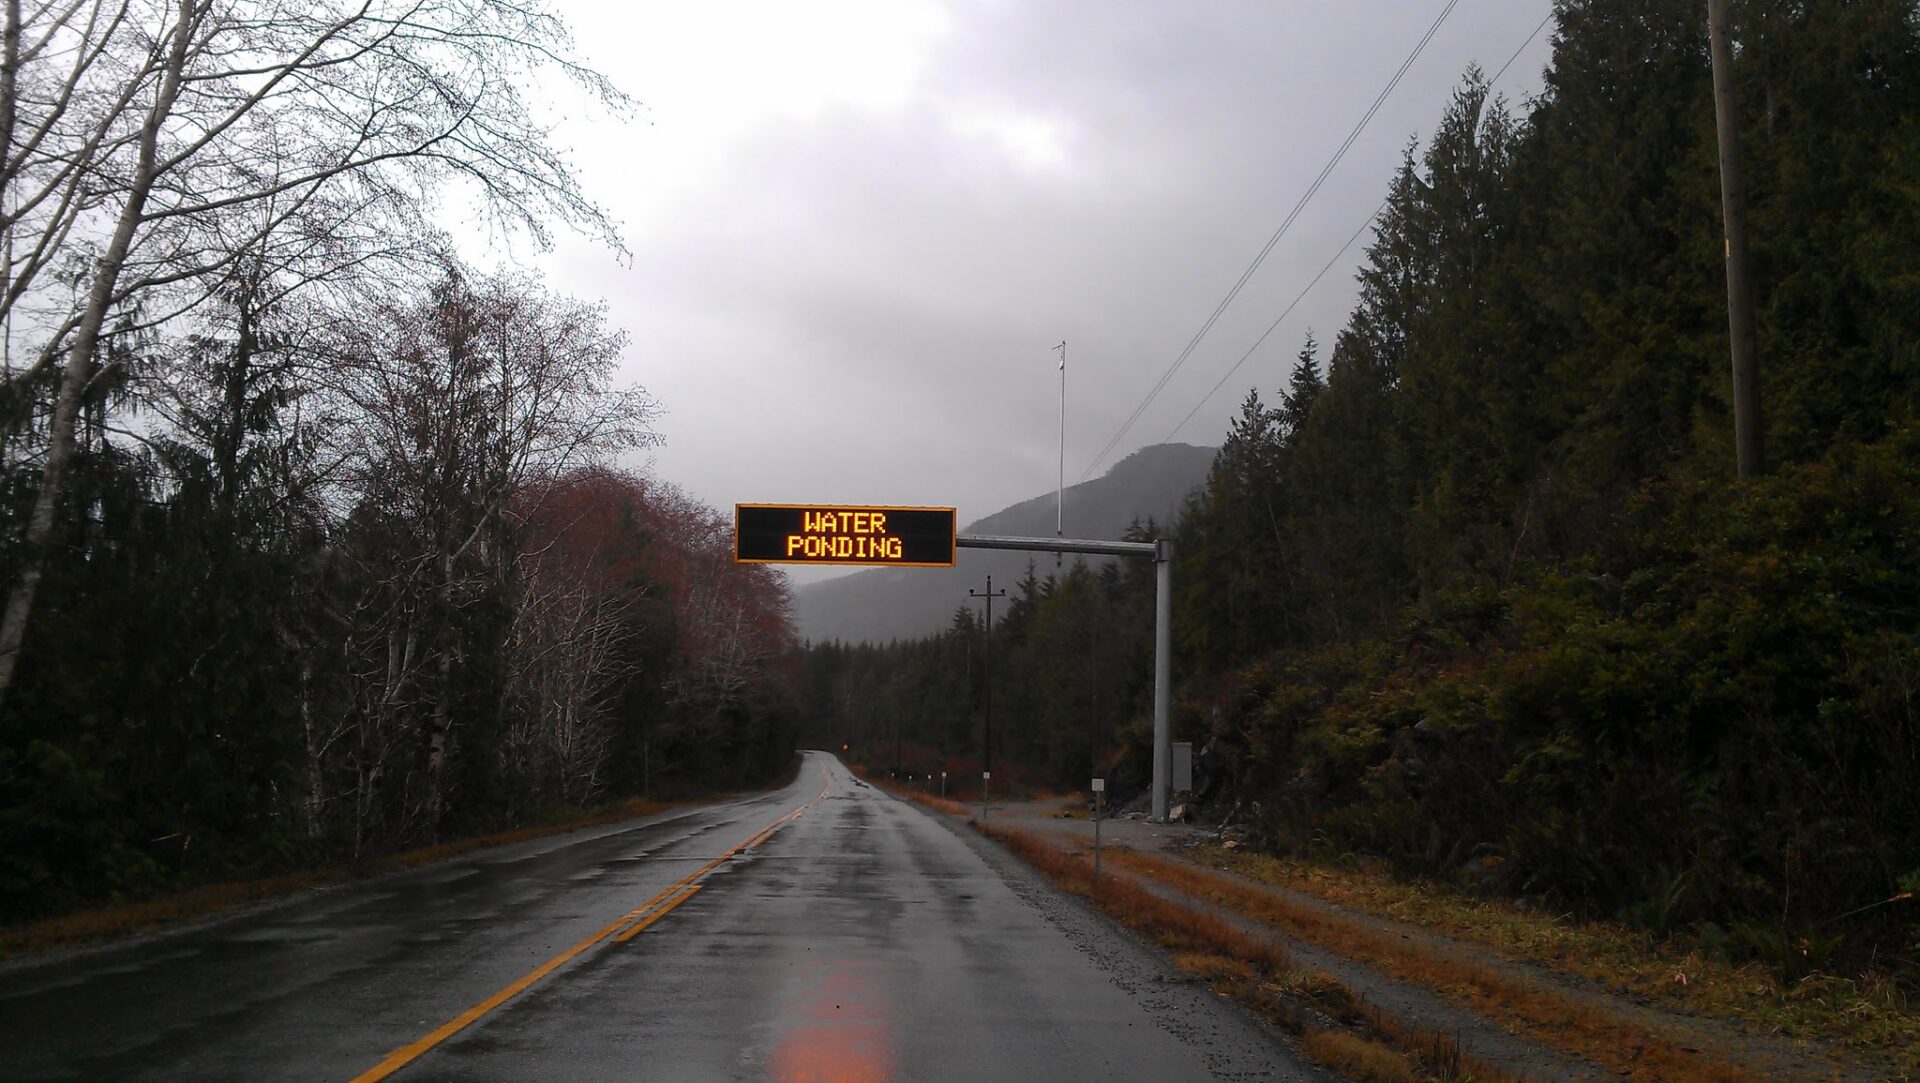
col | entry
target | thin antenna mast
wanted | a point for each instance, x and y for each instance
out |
(1060, 493)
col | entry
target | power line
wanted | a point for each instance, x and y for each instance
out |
(1273, 240)
(1301, 296)
(1295, 303)
(1523, 48)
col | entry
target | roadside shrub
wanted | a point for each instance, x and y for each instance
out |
(1716, 723)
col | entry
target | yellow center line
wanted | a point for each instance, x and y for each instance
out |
(630, 925)
(640, 926)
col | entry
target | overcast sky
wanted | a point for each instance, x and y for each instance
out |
(858, 229)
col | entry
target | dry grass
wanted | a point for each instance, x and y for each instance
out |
(1175, 927)
(1212, 966)
(210, 900)
(1614, 1040)
(1870, 1012)
(1357, 1057)
(1259, 972)
(112, 922)
(921, 797)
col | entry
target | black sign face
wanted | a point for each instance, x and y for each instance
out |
(842, 534)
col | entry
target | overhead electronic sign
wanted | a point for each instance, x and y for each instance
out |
(843, 534)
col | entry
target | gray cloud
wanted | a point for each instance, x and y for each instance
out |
(858, 304)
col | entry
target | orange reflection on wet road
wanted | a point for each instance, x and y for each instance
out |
(844, 1037)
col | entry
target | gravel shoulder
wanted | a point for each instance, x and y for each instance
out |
(1766, 1055)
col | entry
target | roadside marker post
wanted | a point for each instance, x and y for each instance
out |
(985, 777)
(943, 785)
(1099, 801)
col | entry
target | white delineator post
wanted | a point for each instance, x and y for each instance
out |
(1099, 796)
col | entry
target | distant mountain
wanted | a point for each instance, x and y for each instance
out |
(882, 604)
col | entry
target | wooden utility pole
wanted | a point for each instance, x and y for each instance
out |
(986, 670)
(1748, 449)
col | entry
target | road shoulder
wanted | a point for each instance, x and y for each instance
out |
(1239, 1044)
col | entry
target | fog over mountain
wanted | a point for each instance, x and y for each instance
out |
(882, 604)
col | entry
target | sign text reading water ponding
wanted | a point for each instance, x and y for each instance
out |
(843, 534)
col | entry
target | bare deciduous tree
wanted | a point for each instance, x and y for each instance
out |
(565, 657)
(149, 145)
(458, 409)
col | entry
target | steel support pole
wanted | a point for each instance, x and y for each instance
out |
(1162, 678)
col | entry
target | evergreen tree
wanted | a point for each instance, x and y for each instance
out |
(1304, 385)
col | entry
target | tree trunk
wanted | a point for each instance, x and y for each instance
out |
(79, 367)
(440, 726)
(316, 785)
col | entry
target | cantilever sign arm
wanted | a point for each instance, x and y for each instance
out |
(1162, 553)
(1057, 545)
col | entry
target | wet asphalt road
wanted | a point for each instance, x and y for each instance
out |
(859, 940)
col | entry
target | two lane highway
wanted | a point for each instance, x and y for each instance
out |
(821, 932)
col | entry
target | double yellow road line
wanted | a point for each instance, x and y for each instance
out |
(630, 925)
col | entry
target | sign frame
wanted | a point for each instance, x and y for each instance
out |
(953, 535)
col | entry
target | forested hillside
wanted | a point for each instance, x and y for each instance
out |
(1475, 590)
(313, 542)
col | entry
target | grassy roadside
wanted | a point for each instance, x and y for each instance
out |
(919, 797)
(1870, 1023)
(1614, 1040)
(1869, 1015)
(211, 900)
(965, 789)
(1333, 1026)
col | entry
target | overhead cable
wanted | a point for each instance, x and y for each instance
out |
(1295, 303)
(1301, 296)
(1273, 240)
